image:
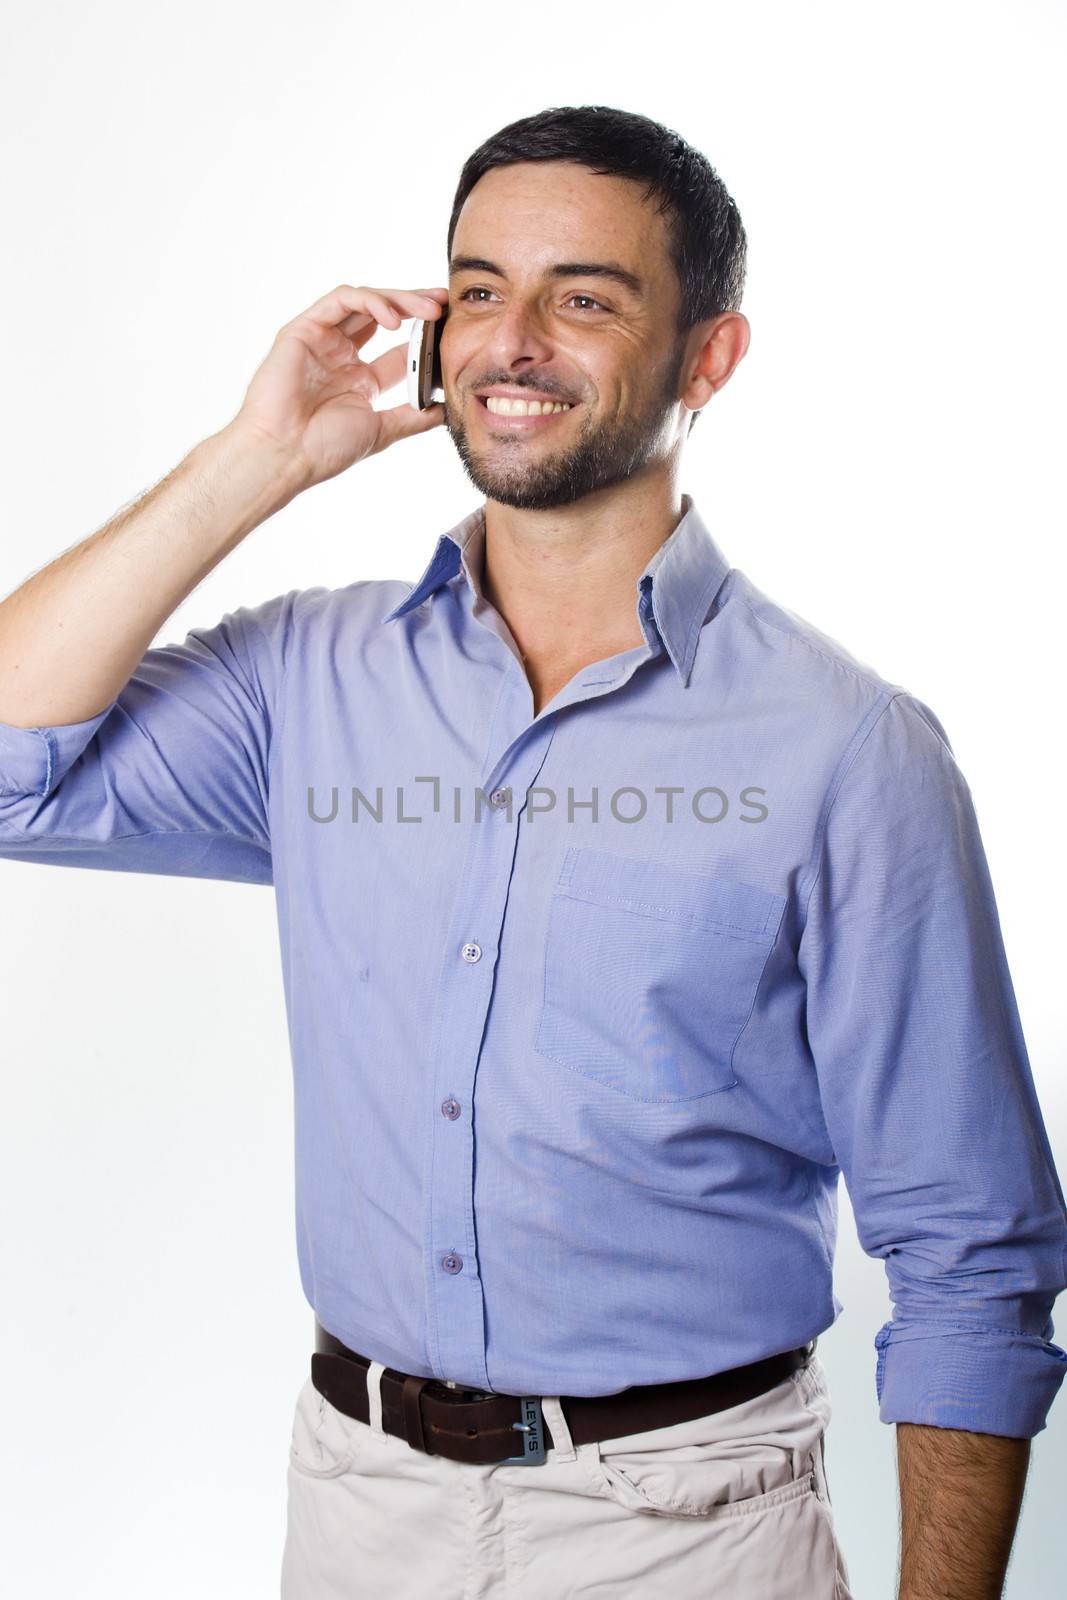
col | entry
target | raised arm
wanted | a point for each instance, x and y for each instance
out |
(72, 634)
(117, 756)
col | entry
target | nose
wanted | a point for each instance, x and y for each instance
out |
(518, 338)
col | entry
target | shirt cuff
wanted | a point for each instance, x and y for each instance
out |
(32, 760)
(985, 1380)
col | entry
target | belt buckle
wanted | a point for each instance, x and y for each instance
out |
(532, 1428)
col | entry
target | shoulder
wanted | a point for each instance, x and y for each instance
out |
(797, 642)
(827, 676)
(303, 616)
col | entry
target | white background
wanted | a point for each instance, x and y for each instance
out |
(178, 182)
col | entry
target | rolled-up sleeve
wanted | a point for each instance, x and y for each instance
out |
(927, 1090)
(173, 776)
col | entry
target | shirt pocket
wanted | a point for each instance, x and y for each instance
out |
(650, 973)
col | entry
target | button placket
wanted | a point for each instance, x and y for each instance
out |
(456, 1315)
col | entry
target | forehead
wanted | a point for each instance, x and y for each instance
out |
(533, 208)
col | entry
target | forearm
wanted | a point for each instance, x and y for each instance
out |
(72, 635)
(960, 1495)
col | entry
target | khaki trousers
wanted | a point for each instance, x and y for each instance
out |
(731, 1506)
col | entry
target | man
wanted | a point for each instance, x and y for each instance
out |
(621, 912)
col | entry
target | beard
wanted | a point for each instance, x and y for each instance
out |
(517, 471)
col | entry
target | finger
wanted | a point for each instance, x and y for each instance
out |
(356, 306)
(359, 336)
(348, 308)
(370, 379)
(402, 303)
(344, 338)
(390, 368)
(364, 328)
(373, 378)
(400, 422)
(424, 306)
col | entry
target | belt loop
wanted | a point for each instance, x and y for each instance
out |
(374, 1394)
(410, 1396)
(562, 1444)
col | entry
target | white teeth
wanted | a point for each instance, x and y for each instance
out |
(504, 406)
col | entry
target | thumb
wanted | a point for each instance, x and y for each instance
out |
(400, 422)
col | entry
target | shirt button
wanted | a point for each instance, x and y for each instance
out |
(500, 798)
(452, 1262)
(450, 1108)
(471, 952)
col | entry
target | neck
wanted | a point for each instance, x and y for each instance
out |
(565, 580)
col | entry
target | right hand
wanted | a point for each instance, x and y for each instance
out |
(313, 397)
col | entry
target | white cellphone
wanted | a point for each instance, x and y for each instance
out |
(425, 384)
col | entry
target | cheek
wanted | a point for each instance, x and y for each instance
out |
(460, 346)
(619, 372)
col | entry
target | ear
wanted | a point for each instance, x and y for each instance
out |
(714, 349)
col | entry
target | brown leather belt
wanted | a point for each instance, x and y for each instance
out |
(479, 1426)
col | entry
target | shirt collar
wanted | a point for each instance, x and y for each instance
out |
(674, 591)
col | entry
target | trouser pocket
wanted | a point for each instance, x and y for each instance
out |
(735, 1462)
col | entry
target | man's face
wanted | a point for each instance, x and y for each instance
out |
(607, 347)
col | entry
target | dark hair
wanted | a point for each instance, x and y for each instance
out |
(706, 239)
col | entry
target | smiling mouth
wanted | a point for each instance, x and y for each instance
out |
(521, 414)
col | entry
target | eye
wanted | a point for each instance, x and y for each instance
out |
(578, 295)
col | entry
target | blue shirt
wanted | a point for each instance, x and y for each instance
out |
(590, 1010)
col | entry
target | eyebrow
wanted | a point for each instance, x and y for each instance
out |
(560, 269)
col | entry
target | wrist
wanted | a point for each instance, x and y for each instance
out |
(263, 461)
